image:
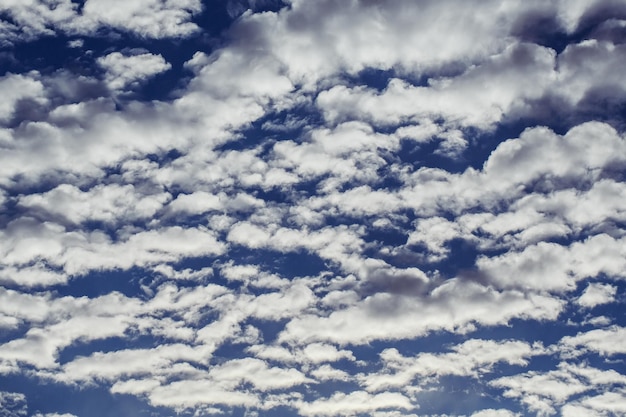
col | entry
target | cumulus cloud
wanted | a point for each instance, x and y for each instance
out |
(16, 88)
(354, 403)
(478, 98)
(609, 402)
(472, 358)
(454, 306)
(148, 18)
(77, 253)
(603, 341)
(345, 208)
(494, 413)
(124, 70)
(54, 415)
(596, 294)
(109, 203)
(13, 404)
(542, 392)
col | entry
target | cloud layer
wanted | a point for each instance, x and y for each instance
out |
(341, 208)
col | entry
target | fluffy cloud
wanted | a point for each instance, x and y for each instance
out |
(109, 204)
(13, 404)
(603, 341)
(148, 18)
(494, 413)
(331, 191)
(54, 415)
(472, 358)
(124, 70)
(596, 294)
(77, 253)
(454, 306)
(478, 98)
(16, 88)
(542, 392)
(599, 405)
(354, 403)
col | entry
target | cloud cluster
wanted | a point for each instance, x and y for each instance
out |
(31, 19)
(122, 70)
(335, 190)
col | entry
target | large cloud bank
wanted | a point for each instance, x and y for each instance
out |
(345, 208)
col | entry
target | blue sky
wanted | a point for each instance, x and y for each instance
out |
(312, 208)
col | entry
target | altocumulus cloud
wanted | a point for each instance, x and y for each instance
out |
(313, 208)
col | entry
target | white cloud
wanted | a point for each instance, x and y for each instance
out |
(575, 410)
(54, 415)
(454, 306)
(61, 322)
(249, 235)
(473, 358)
(314, 353)
(94, 184)
(217, 387)
(252, 275)
(135, 386)
(236, 71)
(478, 98)
(192, 393)
(40, 347)
(33, 17)
(281, 304)
(543, 266)
(571, 12)
(117, 365)
(185, 274)
(146, 18)
(274, 353)
(36, 275)
(544, 391)
(326, 372)
(196, 203)
(356, 402)
(540, 152)
(410, 38)
(76, 43)
(77, 253)
(255, 371)
(149, 18)
(125, 70)
(587, 65)
(606, 342)
(321, 352)
(30, 307)
(611, 402)
(494, 413)
(106, 203)
(13, 404)
(596, 294)
(17, 87)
